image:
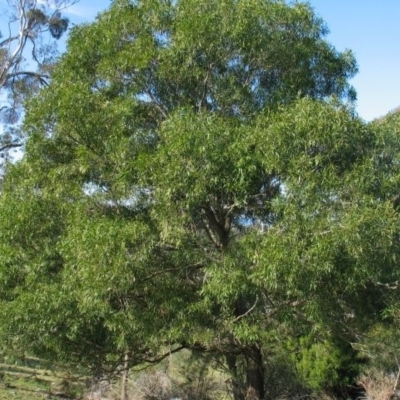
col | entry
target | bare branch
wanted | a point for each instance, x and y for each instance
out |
(27, 21)
(162, 272)
(64, 4)
(10, 146)
(210, 234)
(391, 286)
(40, 77)
(214, 228)
(247, 312)
(158, 359)
(205, 83)
(157, 104)
(8, 40)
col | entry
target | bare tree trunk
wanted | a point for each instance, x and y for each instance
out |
(124, 378)
(236, 386)
(253, 389)
(254, 374)
(253, 361)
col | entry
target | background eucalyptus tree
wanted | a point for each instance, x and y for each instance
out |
(27, 57)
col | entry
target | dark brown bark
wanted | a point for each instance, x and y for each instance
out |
(253, 359)
(231, 360)
(218, 230)
(254, 374)
(253, 387)
(10, 146)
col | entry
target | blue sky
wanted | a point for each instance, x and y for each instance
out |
(370, 28)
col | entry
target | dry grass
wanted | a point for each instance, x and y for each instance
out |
(157, 385)
(378, 385)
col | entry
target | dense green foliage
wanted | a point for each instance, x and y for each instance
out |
(324, 364)
(194, 180)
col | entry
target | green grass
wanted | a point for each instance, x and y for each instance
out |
(20, 382)
(30, 379)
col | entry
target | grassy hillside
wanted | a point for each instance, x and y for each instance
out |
(29, 380)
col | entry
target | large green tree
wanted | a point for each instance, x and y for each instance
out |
(193, 180)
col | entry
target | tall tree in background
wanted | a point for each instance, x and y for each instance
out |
(187, 184)
(26, 57)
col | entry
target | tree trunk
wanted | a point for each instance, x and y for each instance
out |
(124, 379)
(253, 361)
(254, 374)
(236, 386)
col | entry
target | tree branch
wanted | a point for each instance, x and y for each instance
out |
(210, 233)
(158, 359)
(215, 227)
(205, 83)
(164, 271)
(8, 40)
(156, 103)
(391, 286)
(10, 146)
(247, 312)
(41, 77)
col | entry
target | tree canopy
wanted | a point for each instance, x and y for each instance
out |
(195, 177)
